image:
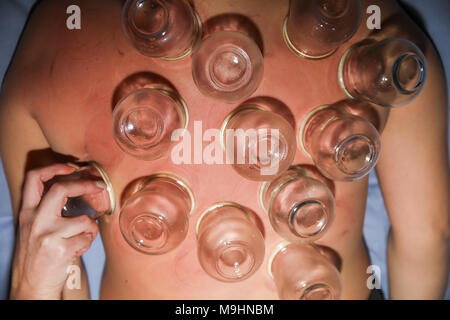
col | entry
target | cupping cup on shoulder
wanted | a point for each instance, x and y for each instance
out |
(300, 205)
(155, 216)
(316, 28)
(166, 29)
(230, 244)
(389, 73)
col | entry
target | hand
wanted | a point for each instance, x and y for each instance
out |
(48, 243)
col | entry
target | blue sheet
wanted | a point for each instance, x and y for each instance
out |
(433, 16)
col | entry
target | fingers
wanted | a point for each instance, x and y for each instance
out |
(55, 199)
(62, 227)
(70, 227)
(77, 245)
(34, 183)
(56, 251)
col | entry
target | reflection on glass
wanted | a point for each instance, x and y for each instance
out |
(301, 272)
(94, 205)
(259, 143)
(389, 73)
(300, 206)
(343, 146)
(166, 29)
(155, 217)
(230, 245)
(316, 28)
(228, 65)
(144, 120)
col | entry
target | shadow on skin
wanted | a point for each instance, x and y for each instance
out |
(331, 255)
(393, 26)
(275, 106)
(137, 81)
(366, 111)
(315, 173)
(234, 22)
(45, 157)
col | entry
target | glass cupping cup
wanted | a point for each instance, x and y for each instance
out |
(259, 143)
(144, 121)
(343, 146)
(302, 272)
(166, 29)
(155, 217)
(389, 73)
(300, 205)
(314, 29)
(230, 244)
(94, 205)
(228, 65)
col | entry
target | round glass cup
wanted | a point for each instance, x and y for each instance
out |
(165, 29)
(230, 245)
(228, 65)
(155, 217)
(94, 205)
(260, 144)
(144, 120)
(300, 206)
(389, 73)
(315, 29)
(343, 146)
(301, 272)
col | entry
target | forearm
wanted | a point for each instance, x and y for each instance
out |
(418, 266)
(24, 292)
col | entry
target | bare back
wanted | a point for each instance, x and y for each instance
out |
(67, 83)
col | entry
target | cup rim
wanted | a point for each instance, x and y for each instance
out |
(217, 205)
(303, 127)
(296, 51)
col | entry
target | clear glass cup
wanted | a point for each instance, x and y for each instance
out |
(228, 65)
(301, 272)
(155, 215)
(166, 29)
(260, 144)
(230, 245)
(144, 120)
(343, 146)
(94, 205)
(315, 29)
(389, 73)
(299, 203)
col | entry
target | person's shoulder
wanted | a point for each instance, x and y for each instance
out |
(396, 22)
(33, 46)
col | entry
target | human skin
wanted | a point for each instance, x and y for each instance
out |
(44, 235)
(58, 94)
